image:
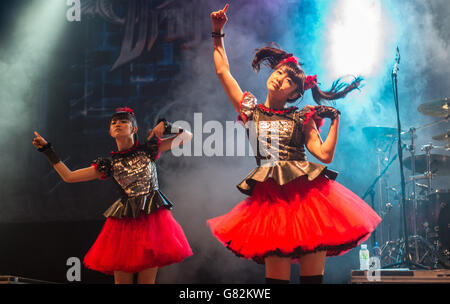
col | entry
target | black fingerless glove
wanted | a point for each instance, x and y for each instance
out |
(169, 128)
(327, 112)
(50, 153)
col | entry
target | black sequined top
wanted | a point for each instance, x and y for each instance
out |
(278, 141)
(134, 172)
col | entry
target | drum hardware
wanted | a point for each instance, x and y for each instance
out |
(430, 233)
(433, 225)
(425, 245)
(422, 186)
(428, 254)
(388, 207)
(371, 190)
(427, 149)
(423, 248)
(423, 189)
(414, 227)
(381, 158)
(439, 164)
(416, 250)
(384, 138)
(396, 191)
(446, 147)
(436, 108)
(446, 253)
(420, 176)
(443, 137)
(391, 252)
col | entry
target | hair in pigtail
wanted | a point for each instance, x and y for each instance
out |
(275, 57)
(270, 56)
(338, 90)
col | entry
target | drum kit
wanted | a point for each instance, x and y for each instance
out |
(426, 216)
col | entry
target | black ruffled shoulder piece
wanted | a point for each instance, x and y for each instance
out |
(302, 116)
(104, 166)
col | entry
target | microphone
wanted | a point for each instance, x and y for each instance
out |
(397, 62)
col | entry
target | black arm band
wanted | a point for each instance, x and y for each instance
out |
(218, 35)
(50, 153)
(327, 112)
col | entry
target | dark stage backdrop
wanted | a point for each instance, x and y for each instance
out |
(155, 56)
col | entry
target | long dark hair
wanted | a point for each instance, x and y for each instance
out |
(272, 56)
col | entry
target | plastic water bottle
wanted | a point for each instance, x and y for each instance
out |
(364, 257)
(375, 260)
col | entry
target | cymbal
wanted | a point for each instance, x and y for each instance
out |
(385, 133)
(440, 164)
(436, 108)
(443, 137)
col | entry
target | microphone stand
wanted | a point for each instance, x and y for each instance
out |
(406, 259)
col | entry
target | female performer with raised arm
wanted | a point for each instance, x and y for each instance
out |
(140, 234)
(295, 209)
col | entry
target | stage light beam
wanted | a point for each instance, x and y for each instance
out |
(26, 54)
(355, 37)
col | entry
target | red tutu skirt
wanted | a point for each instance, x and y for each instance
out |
(294, 219)
(134, 244)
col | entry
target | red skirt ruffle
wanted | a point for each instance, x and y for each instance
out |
(299, 217)
(134, 244)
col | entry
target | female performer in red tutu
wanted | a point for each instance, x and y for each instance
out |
(295, 210)
(140, 234)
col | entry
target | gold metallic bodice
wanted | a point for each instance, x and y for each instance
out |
(278, 142)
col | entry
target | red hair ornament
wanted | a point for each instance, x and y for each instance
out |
(289, 59)
(125, 109)
(310, 82)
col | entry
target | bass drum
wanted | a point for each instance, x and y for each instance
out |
(438, 215)
(422, 215)
(444, 227)
(441, 198)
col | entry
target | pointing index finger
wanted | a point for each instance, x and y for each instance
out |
(225, 8)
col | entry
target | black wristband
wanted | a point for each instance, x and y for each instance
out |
(327, 112)
(217, 35)
(45, 147)
(48, 151)
(170, 128)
